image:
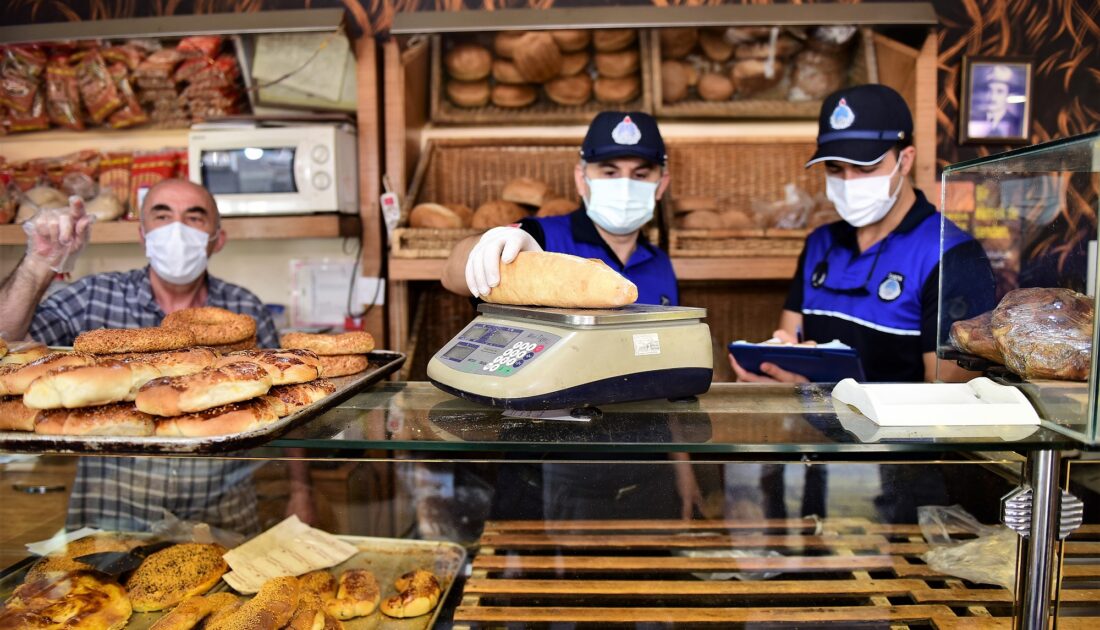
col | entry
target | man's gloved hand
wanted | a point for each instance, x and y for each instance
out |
(498, 245)
(55, 236)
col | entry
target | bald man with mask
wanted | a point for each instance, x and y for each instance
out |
(180, 229)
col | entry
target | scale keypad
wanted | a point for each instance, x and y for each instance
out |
(495, 350)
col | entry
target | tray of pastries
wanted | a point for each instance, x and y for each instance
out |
(170, 390)
(114, 581)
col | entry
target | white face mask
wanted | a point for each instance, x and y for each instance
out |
(177, 252)
(620, 205)
(863, 200)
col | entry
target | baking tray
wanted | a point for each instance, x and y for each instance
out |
(382, 364)
(387, 558)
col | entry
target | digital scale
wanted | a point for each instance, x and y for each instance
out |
(530, 358)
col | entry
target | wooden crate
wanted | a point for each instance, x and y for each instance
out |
(834, 573)
(543, 110)
(767, 105)
(472, 172)
(736, 174)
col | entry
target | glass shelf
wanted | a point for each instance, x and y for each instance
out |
(735, 419)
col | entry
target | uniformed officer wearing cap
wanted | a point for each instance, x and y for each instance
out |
(620, 176)
(871, 280)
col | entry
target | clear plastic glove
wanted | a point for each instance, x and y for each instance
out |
(55, 236)
(498, 245)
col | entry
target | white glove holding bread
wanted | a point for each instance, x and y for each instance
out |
(498, 246)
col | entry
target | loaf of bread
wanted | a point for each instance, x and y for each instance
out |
(571, 90)
(674, 80)
(676, 43)
(701, 220)
(557, 207)
(537, 56)
(526, 190)
(504, 43)
(571, 40)
(612, 39)
(617, 91)
(715, 46)
(468, 62)
(434, 215)
(574, 63)
(468, 93)
(714, 87)
(512, 96)
(495, 213)
(505, 71)
(464, 212)
(620, 63)
(561, 280)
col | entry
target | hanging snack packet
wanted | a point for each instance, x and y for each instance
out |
(63, 94)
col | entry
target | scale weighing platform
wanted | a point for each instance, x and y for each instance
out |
(531, 358)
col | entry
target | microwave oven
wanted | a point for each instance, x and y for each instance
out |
(276, 170)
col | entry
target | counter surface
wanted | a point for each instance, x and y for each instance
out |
(732, 418)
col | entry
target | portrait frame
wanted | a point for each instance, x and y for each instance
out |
(996, 100)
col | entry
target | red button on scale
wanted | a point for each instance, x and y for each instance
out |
(539, 348)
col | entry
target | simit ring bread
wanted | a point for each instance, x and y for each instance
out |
(15, 416)
(235, 417)
(356, 342)
(286, 367)
(112, 340)
(23, 352)
(15, 382)
(343, 364)
(177, 362)
(116, 419)
(175, 395)
(108, 381)
(171, 575)
(212, 325)
(271, 608)
(290, 398)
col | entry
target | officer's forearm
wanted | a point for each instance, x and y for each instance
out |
(454, 272)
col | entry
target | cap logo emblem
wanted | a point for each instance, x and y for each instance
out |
(843, 116)
(626, 132)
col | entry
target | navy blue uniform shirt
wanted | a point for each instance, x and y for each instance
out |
(884, 302)
(574, 233)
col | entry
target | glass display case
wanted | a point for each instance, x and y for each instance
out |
(1034, 213)
(752, 505)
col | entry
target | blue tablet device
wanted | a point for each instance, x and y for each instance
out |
(819, 364)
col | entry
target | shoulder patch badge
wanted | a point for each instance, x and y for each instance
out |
(842, 116)
(891, 287)
(626, 132)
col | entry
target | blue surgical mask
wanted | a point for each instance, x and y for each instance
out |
(621, 205)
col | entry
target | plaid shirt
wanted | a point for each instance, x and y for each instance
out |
(132, 493)
(124, 299)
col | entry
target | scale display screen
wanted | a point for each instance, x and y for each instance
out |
(474, 333)
(459, 352)
(501, 337)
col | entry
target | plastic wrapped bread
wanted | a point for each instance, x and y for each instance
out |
(563, 281)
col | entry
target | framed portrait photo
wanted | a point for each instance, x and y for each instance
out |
(996, 100)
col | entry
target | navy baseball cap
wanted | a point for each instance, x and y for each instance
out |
(623, 134)
(860, 124)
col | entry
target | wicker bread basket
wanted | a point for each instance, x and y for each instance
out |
(542, 110)
(768, 105)
(472, 172)
(736, 174)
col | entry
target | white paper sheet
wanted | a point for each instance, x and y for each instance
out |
(289, 548)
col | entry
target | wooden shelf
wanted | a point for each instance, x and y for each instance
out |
(756, 268)
(238, 228)
(57, 142)
(405, 269)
